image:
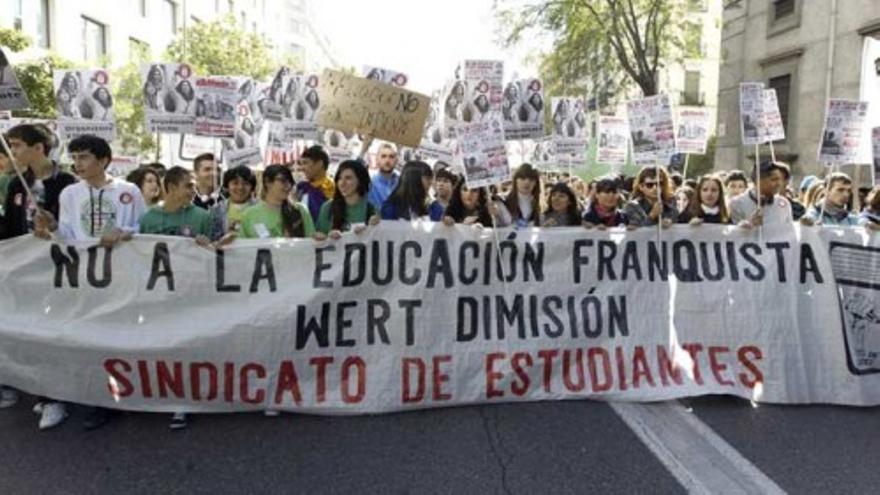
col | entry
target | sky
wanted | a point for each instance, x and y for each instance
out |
(423, 39)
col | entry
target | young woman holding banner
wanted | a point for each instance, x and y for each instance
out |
(652, 199)
(410, 199)
(563, 210)
(349, 209)
(275, 215)
(603, 210)
(709, 205)
(469, 207)
(523, 205)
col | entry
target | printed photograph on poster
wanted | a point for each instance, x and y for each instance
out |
(465, 102)
(386, 76)
(436, 143)
(569, 127)
(272, 97)
(523, 109)
(751, 99)
(84, 103)
(216, 100)
(691, 130)
(843, 131)
(244, 147)
(169, 98)
(301, 107)
(12, 95)
(613, 140)
(652, 130)
(483, 153)
(774, 130)
(339, 145)
(543, 154)
(484, 73)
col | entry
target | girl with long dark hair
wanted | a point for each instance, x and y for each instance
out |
(523, 205)
(652, 200)
(349, 206)
(410, 199)
(275, 215)
(709, 205)
(468, 207)
(563, 210)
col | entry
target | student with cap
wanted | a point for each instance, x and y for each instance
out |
(774, 209)
(834, 208)
(603, 210)
(317, 186)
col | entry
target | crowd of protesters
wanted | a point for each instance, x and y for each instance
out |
(301, 200)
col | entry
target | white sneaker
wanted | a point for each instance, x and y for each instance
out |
(8, 397)
(54, 413)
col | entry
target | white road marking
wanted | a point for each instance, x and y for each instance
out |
(698, 458)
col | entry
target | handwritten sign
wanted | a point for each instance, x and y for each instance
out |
(355, 104)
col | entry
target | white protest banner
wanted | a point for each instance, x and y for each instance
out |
(12, 95)
(613, 140)
(159, 324)
(216, 101)
(875, 142)
(523, 109)
(843, 131)
(692, 130)
(436, 142)
(652, 130)
(358, 105)
(569, 127)
(169, 98)
(301, 107)
(386, 76)
(483, 153)
(84, 103)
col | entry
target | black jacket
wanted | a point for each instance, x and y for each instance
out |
(14, 222)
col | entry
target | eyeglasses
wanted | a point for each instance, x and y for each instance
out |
(649, 185)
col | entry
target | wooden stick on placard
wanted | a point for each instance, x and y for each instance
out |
(365, 146)
(687, 157)
(772, 152)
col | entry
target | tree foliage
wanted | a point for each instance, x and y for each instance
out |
(603, 45)
(132, 133)
(35, 77)
(221, 48)
(14, 39)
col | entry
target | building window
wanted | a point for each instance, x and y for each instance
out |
(782, 85)
(693, 45)
(42, 18)
(18, 14)
(170, 14)
(94, 39)
(691, 94)
(30, 17)
(783, 8)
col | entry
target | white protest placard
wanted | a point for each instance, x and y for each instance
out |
(339, 145)
(12, 95)
(84, 103)
(244, 148)
(692, 130)
(875, 142)
(301, 105)
(121, 165)
(272, 97)
(169, 98)
(751, 100)
(436, 143)
(843, 131)
(652, 129)
(357, 105)
(523, 109)
(774, 130)
(486, 77)
(613, 140)
(216, 101)
(543, 154)
(483, 153)
(569, 127)
(387, 76)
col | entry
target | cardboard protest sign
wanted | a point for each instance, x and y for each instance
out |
(386, 76)
(84, 103)
(301, 105)
(436, 143)
(692, 130)
(613, 140)
(358, 105)
(652, 130)
(216, 100)
(483, 153)
(843, 131)
(875, 142)
(12, 95)
(523, 109)
(570, 127)
(169, 98)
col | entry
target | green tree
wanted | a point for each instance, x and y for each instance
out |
(35, 76)
(603, 44)
(221, 48)
(132, 133)
(14, 39)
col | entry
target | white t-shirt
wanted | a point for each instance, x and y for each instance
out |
(88, 212)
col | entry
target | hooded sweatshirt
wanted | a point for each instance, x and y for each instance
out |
(89, 212)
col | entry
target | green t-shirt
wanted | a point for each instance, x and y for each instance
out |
(261, 221)
(189, 221)
(357, 213)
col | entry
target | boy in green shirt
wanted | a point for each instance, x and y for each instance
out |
(178, 216)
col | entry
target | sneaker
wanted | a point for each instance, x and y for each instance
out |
(98, 417)
(8, 397)
(52, 415)
(38, 408)
(271, 413)
(178, 421)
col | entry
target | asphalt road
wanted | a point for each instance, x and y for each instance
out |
(551, 447)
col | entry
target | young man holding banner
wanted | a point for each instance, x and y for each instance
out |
(775, 210)
(834, 209)
(386, 179)
(318, 186)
